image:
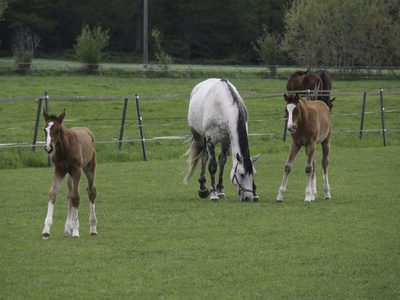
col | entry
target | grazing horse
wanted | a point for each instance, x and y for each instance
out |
(73, 151)
(309, 124)
(217, 114)
(326, 86)
(303, 80)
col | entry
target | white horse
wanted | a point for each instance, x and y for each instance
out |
(217, 114)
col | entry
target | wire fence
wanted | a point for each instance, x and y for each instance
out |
(161, 126)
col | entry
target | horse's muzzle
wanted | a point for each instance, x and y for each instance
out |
(292, 128)
(50, 150)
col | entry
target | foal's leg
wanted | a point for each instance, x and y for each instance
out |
(294, 149)
(90, 170)
(68, 223)
(310, 172)
(212, 168)
(203, 190)
(325, 165)
(58, 178)
(73, 203)
(221, 161)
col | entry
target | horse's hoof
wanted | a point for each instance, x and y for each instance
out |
(67, 234)
(214, 198)
(204, 193)
(221, 196)
(279, 201)
(255, 199)
(93, 233)
(45, 236)
(327, 198)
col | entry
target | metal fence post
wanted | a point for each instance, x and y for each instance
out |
(36, 125)
(383, 118)
(121, 134)
(362, 114)
(141, 127)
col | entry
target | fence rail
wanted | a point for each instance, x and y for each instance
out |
(141, 126)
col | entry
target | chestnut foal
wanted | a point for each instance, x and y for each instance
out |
(309, 124)
(73, 151)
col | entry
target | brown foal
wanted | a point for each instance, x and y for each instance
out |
(73, 151)
(309, 124)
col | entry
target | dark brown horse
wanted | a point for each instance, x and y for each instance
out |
(73, 151)
(303, 80)
(317, 82)
(309, 124)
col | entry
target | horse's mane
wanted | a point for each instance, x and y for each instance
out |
(241, 128)
(301, 72)
(53, 117)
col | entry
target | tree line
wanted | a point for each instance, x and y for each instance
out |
(303, 32)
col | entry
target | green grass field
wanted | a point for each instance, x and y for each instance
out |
(157, 239)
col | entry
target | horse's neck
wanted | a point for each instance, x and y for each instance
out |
(63, 140)
(305, 112)
(239, 142)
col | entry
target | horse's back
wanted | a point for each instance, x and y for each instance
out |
(323, 115)
(85, 138)
(208, 104)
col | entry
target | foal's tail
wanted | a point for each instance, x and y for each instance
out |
(195, 152)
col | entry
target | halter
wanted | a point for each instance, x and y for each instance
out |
(238, 183)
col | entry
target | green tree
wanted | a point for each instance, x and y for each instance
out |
(343, 32)
(163, 60)
(89, 47)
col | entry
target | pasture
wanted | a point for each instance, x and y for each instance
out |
(157, 239)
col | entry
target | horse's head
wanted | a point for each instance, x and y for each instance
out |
(242, 176)
(292, 111)
(52, 129)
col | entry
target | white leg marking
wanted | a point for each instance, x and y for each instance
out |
(68, 223)
(327, 188)
(75, 222)
(309, 194)
(49, 220)
(93, 220)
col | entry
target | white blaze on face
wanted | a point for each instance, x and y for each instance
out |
(290, 107)
(48, 137)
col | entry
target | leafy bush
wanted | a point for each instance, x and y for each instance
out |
(24, 45)
(89, 47)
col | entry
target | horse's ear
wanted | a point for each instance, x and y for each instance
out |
(62, 116)
(333, 99)
(286, 97)
(296, 97)
(239, 158)
(308, 71)
(253, 159)
(45, 115)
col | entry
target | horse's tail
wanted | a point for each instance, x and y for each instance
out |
(195, 152)
(317, 88)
